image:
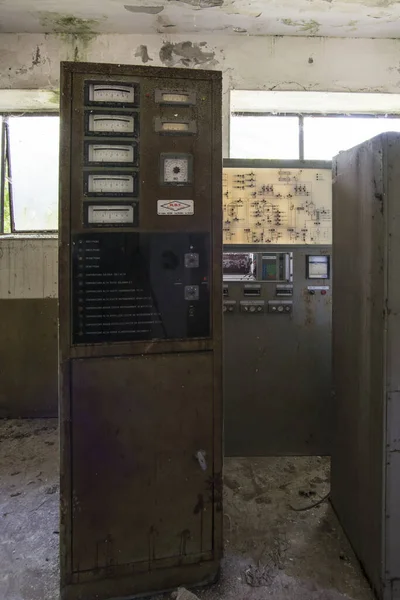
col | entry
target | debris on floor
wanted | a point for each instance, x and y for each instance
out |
(183, 594)
(271, 550)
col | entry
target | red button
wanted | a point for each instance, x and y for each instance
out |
(323, 292)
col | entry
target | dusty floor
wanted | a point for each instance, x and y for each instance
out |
(272, 551)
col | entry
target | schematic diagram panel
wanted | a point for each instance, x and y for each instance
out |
(277, 206)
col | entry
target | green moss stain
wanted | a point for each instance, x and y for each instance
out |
(74, 31)
(311, 27)
(54, 97)
(67, 25)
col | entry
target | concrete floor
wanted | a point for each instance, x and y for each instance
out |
(272, 551)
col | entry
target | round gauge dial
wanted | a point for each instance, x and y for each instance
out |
(176, 170)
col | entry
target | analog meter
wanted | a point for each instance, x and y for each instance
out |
(175, 97)
(170, 126)
(108, 215)
(110, 184)
(112, 124)
(112, 93)
(113, 152)
(176, 169)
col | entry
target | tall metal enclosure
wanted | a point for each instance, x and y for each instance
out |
(140, 329)
(277, 307)
(366, 356)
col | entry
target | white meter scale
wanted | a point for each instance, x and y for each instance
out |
(112, 123)
(107, 183)
(110, 153)
(110, 215)
(176, 170)
(174, 126)
(175, 98)
(111, 94)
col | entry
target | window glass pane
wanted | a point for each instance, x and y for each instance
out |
(264, 137)
(34, 172)
(324, 137)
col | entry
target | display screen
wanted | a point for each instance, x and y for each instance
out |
(139, 286)
(238, 265)
(318, 267)
(269, 267)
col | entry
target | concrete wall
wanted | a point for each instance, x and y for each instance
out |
(279, 63)
(28, 348)
(28, 316)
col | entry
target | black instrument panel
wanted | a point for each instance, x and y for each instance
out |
(140, 286)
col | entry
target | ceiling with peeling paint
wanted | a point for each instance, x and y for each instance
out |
(331, 18)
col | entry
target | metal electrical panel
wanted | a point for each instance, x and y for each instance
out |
(140, 299)
(366, 354)
(277, 308)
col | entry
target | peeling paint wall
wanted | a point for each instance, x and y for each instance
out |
(32, 61)
(278, 63)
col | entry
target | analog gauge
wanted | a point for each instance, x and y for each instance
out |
(176, 170)
(107, 183)
(114, 93)
(100, 123)
(175, 98)
(110, 153)
(174, 126)
(110, 214)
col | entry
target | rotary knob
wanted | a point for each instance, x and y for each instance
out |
(252, 308)
(280, 308)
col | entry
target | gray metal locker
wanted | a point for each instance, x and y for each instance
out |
(366, 356)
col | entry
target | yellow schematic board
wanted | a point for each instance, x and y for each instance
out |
(277, 206)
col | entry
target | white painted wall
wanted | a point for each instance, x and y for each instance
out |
(28, 267)
(31, 61)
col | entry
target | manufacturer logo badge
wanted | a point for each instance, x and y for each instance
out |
(175, 207)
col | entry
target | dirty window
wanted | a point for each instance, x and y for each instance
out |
(325, 137)
(33, 171)
(264, 137)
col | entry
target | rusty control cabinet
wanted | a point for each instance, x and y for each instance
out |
(140, 301)
(366, 356)
(277, 307)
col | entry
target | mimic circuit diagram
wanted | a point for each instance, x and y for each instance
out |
(277, 206)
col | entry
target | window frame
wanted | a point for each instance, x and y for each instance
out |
(6, 173)
(301, 116)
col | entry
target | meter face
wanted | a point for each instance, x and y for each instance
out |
(317, 267)
(171, 97)
(110, 153)
(111, 93)
(175, 98)
(110, 183)
(112, 124)
(174, 126)
(110, 215)
(176, 169)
